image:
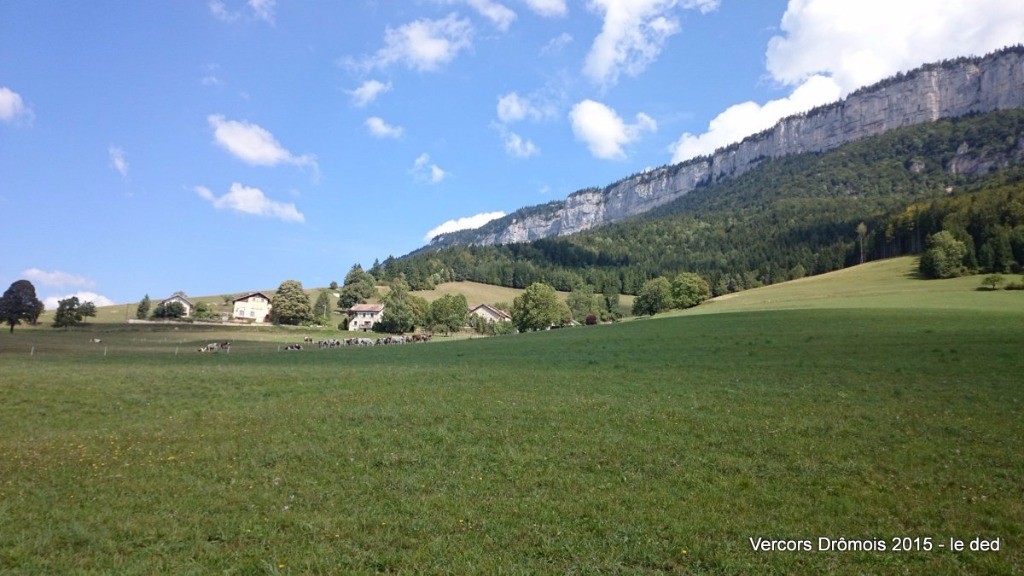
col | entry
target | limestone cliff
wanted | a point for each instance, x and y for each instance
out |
(943, 90)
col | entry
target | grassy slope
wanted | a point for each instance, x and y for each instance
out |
(646, 447)
(892, 283)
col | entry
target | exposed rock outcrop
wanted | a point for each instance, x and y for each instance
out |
(943, 90)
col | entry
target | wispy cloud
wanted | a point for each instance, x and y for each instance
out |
(548, 8)
(253, 201)
(466, 223)
(118, 161)
(57, 278)
(423, 45)
(500, 15)
(381, 129)
(604, 132)
(255, 145)
(423, 169)
(367, 92)
(260, 10)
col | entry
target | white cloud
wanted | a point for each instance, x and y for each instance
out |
(467, 223)
(424, 45)
(423, 169)
(548, 8)
(858, 43)
(368, 92)
(51, 302)
(741, 120)
(117, 160)
(381, 129)
(254, 145)
(633, 35)
(516, 146)
(604, 132)
(251, 201)
(12, 107)
(57, 278)
(828, 49)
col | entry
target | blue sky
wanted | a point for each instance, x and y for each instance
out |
(222, 146)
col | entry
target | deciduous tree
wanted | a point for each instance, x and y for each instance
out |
(655, 296)
(539, 308)
(448, 313)
(689, 290)
(19, 303)
(291, 305)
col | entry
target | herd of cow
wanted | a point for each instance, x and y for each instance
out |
(216, 347)
(333, 342)
(360, 342)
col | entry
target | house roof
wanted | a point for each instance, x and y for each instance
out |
(367, 308)
(179, 298)
(250, 295)
(494, 311)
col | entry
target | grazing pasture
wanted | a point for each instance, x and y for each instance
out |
(657, 446)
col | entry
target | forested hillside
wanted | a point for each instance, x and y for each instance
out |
(789, 217)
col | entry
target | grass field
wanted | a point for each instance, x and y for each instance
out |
(655, 446)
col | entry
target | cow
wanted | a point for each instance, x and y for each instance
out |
(293, 347)
(95, 340)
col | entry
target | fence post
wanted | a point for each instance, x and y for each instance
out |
(33, 352)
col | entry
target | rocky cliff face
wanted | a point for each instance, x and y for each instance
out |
(944, 90)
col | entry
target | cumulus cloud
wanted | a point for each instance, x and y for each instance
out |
(367, 92)
(466, 223)
(828, 49)
(548, 8)
(853, 45)
(254, 145)
(423, 45)
(12, 107)
(381, 129)
(633, 35)
(604, 132)
(52, 302)
(57, 278)
(118, 161)
(423, 169)
(251, 201)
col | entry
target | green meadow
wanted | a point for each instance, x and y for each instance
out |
(866, 406)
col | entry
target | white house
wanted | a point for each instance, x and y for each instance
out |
(189, 306)
(491, 314)
(253, 307)
(364, 316)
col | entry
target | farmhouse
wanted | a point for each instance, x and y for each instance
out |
(189, 306)
(254, 307)
(491, 314)
(364, 316)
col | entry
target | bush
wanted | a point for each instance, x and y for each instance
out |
(591, 320)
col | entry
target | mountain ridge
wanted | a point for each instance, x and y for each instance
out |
(947, 89)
